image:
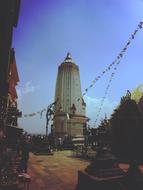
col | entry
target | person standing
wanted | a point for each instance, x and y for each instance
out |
(24, 156)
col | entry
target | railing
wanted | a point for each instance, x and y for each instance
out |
(84, 152)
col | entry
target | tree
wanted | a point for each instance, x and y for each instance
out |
(104, 133)
(127, 130)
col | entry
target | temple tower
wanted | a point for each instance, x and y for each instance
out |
(70, 118)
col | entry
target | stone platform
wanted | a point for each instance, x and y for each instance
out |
(89, 182)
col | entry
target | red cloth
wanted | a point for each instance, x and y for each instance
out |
(13, 73)
(13, 77)
(12, 90)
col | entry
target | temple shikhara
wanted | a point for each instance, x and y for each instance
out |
(63, 150)
(70, 119)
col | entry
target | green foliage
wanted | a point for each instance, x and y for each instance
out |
(137, 93)
(127, 130)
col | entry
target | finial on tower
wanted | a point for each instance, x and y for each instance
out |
(68, 58)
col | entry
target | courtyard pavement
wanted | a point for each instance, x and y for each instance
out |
(57, 172)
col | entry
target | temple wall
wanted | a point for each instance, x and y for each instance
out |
(67, 93)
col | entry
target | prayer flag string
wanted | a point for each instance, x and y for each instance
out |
(116, 60)
(115, 63)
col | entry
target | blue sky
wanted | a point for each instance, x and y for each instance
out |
(94, 31)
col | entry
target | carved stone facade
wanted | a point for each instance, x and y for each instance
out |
(70, 107)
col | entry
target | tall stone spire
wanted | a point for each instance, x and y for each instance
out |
(67, 93)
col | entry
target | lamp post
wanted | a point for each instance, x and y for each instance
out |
(67, 118)
(46, 130)
(50, 112)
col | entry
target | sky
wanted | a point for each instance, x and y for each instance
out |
(94, 32)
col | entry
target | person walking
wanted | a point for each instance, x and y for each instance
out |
(24, 156)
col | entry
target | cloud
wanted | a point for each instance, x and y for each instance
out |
(93, 105)
(27, 88)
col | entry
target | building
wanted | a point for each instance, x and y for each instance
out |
(13, 131)
(69, 119)
(9, 13)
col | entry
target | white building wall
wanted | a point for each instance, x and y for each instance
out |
(68, 91)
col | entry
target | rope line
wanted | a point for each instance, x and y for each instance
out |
(119, 57)
(108, 68)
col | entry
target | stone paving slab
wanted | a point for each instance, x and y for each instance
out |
(57, 172)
